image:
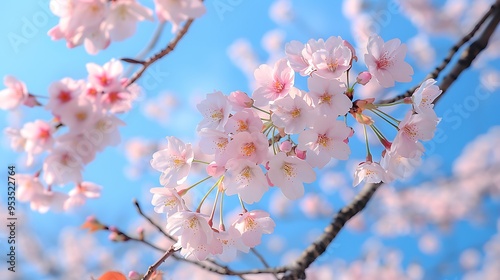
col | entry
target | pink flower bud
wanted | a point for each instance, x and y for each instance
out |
(364, 77)
(133, 275)
(286, 146)
(347, 44)
(31, 101)
(215, 170)
(300, 154)
(239, 99)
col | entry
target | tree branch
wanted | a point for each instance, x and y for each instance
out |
(437, 71)
(316, 249)
(155, 266)
(170, 47)
(139, 209)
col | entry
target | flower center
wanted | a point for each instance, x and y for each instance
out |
(289, 170)
(323, 140)
(278, 86)
(242, 125)
(325, 98)
(64, 96)
(295, 113)
(248, 149)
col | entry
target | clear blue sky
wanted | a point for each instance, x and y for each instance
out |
(200, 65)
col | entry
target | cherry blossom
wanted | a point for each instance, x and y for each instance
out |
(27, 187)
(80, 193)
(191, 227)
(62, 166)
(178, 11)
(244, 120)
(363, 78)
(332, 60)
(424, 95)
(300, 60)
(14, 95)
(324, 141)
(62, 94)
(245, 178)
(289, 173)
(213, 141)
(94, 23)
(123, 17)
(17, 142)
(370, 172)
(328, 96)
(231, 243)
(174, 162)
(38, 137)
(240, 100)
(385, 61)
(252, 225)
(45, 200)
(291, 113)
(105, 77)
(273, 83)
(215, 110)
(251, 146)
(414, 127)
(166, 201)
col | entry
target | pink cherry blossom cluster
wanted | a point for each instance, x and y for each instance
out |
(84, 112)
(95, 23)
(276, 138)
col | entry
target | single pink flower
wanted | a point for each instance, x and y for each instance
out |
(14, 95)
(174, 162)
(246, 179)
(289, 173)
(252, 225)
(272, 83)
(385, 61)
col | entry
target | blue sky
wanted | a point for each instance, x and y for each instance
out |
(199, 65)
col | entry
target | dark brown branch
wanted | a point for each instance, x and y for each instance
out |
(437, 71)
(316, 249)
(262, 260)
(139, 209)
(471, 52)
(170, 47)
(155, 266)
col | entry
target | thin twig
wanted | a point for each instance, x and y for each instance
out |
(262, 260)
(471, 52)
(435, 74)
(155, 266)
(139, 209)
(148, 48)
(170, 47)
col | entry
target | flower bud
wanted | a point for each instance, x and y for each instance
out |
(239, 99)
(133, 275)
(286, 146)
(364, 77)
(215, 170)
(300, 154)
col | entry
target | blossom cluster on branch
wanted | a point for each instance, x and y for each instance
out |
(95, 23)
(276, 138)
(84, 122)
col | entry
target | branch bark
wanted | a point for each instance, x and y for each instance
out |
(437, 71)
(170, 47)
